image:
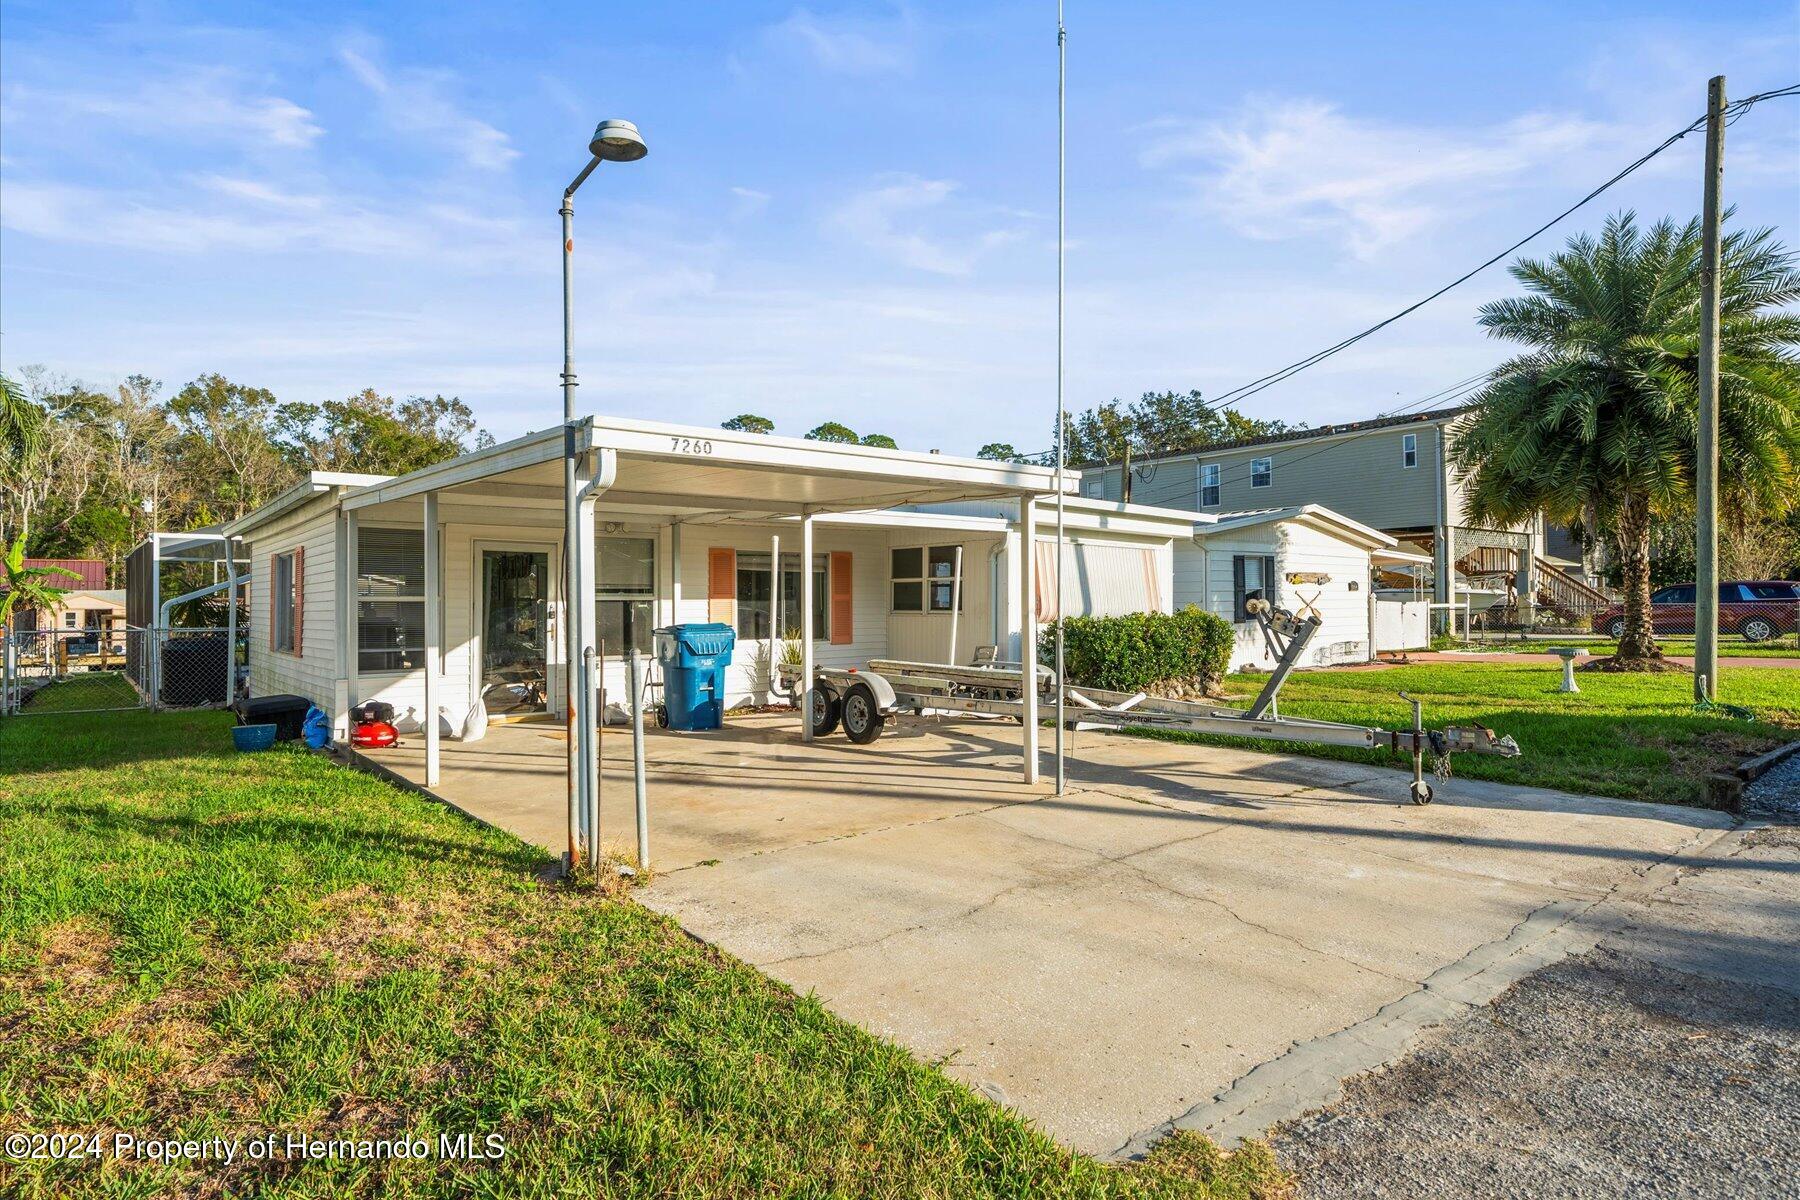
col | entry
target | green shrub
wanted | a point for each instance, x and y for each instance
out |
(1142, 650)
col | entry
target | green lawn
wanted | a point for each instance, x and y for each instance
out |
(1635, 736)
(196, 944)
(1733, 646)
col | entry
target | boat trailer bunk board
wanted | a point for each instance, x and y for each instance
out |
(862, 701)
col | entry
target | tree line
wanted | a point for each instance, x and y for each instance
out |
(1156, 422)
(87, 473)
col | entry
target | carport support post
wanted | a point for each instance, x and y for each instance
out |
(1028, 632)
(774, 609)
(348, 637)
(806, 627)
(433, 639)
(582, 622)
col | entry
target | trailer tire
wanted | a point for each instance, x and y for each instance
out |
(862, 715)
(1421, 793)
(662, 716)
(827, 709)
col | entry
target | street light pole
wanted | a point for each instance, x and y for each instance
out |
(613, 141)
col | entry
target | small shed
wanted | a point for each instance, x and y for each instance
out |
(1305, 558)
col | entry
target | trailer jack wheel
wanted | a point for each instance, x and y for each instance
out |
(862, 716)
(1421, 792)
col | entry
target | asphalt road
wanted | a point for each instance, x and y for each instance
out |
(1663, 1062)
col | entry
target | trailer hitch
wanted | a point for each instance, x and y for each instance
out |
(1441, 744)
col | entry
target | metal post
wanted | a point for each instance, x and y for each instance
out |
(433, 639)
(351, 570)
(577, 813)
(231, 606)
(637, 755)
(582, 632)
(1028, 684)
(955, 601)
(1062, 59)
(674, 573)
(774, 609)
(806, 627)
(1706, 469)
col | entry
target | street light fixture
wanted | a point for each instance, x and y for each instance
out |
(613, 141)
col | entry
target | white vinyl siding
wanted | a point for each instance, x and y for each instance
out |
(312, 672)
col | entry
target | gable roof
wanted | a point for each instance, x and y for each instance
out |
(1315, 515)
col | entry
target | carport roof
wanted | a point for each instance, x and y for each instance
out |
(711, 474)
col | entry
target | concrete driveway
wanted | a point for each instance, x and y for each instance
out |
(1208, 938)
(1190, 936)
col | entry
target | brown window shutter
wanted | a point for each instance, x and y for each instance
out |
(721, 584)
(299, 596)
(272, 601)
(842, 599)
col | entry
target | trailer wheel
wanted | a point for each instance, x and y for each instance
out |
(862, 716)
(826, 709)
(662, 716)
(1421, 793)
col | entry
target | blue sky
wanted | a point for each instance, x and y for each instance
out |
(848, 212)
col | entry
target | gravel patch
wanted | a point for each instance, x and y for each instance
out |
(1777, 794)
(1598, 1076)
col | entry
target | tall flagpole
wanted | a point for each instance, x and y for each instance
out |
(1062, 62)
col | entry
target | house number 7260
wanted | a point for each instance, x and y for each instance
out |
(681, 445)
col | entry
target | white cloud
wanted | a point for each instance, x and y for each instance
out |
(201, 103)
(1285, 168)
(748, 202)
(846, 45)
(416, 101)
(889, 219)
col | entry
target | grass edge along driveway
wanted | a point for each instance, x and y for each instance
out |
(197, 944)
(1632, 736)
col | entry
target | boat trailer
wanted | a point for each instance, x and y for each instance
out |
(862, 701)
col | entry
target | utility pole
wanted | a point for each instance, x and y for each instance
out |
(1706, 470)
(1125, 475)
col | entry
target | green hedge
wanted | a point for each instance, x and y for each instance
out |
(1141, 650)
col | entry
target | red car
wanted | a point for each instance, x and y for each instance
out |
(1759, 609)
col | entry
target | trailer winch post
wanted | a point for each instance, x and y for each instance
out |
(1421, 791)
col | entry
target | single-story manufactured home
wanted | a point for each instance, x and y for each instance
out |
(435, 589)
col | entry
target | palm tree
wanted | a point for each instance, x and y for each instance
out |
(1597, 422)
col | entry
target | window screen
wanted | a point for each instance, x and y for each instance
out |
(390, 606)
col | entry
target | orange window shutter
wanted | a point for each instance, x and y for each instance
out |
(842, 599)
(299, 596)
(721, 584)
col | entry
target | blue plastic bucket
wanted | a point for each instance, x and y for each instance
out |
(253, 737)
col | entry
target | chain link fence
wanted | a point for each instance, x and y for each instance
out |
(50, 671)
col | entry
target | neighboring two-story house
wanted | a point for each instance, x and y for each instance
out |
(1390, 473)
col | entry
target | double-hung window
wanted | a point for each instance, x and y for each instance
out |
(753, 587)
(625, 604)
(282, 603)
(1262, 472)
(390, 600)
(1209, 485)
(923, 579)
(1409, 450)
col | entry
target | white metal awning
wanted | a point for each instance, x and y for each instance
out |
(705, 475)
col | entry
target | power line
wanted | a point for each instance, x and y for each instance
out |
(1244, 391)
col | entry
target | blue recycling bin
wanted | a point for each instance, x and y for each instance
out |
(694, 657)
